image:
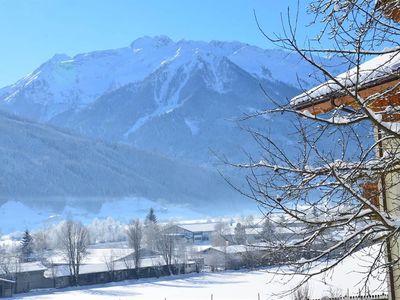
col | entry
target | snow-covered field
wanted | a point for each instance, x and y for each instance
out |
(239, 285)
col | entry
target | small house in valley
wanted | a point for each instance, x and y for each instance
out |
(6, 287)
(197, 233)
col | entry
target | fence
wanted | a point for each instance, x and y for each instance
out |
(119, 275)
(212, 297)
(369, 297)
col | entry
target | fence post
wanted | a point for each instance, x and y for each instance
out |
(212, 297)
(258, 296)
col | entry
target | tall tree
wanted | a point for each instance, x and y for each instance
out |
(135, 234)
(240, 234)
(166, 244)
(219, 235)
(26, 247)
(151, 217)
(73, 239)
(151, 230)
(267, 231)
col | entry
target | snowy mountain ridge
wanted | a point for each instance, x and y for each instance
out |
(67, 83)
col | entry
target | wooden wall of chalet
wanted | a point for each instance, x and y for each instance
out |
(391, 9)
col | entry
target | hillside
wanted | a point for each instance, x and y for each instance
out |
(45, 165)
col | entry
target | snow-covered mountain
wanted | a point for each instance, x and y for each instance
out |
(173, 98)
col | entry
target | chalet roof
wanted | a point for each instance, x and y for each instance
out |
(94, 255)
(198, 227)
(248, 230)
(381, 69)
(7, 280)
(144, 253)
(289, 230)
(236, 249)
(34, 266)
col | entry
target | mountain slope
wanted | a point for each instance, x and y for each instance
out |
(176, 113)
(41, 164)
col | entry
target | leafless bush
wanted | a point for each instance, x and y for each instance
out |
(302, 293)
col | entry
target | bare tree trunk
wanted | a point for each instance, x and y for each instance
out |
(135, 234)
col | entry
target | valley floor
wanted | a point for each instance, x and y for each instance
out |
(234, 285)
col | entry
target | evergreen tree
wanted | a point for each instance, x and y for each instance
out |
(268, 231)
(151, 217)
(26, 246)
(240, 234)
(151, 231)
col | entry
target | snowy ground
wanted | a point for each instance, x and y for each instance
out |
(240, 285)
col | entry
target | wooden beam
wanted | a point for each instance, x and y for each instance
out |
(390, 8)
(377, 105)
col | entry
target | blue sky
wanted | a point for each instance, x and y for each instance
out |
(31, 31)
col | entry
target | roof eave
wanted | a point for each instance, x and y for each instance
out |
(337, 94)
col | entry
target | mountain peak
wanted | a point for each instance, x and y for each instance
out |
(58, 57)
(147, 41)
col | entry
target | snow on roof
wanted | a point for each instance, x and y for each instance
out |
(239, 249)
(94, 255)
(16, 267)
(380, 69)
(63, 270)
(235, 249)
(198, 248)
(7, 280)
(144, 253)
(253, 230)
(198, 227)
(32, 266)
(248, 230)
(289, 230)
